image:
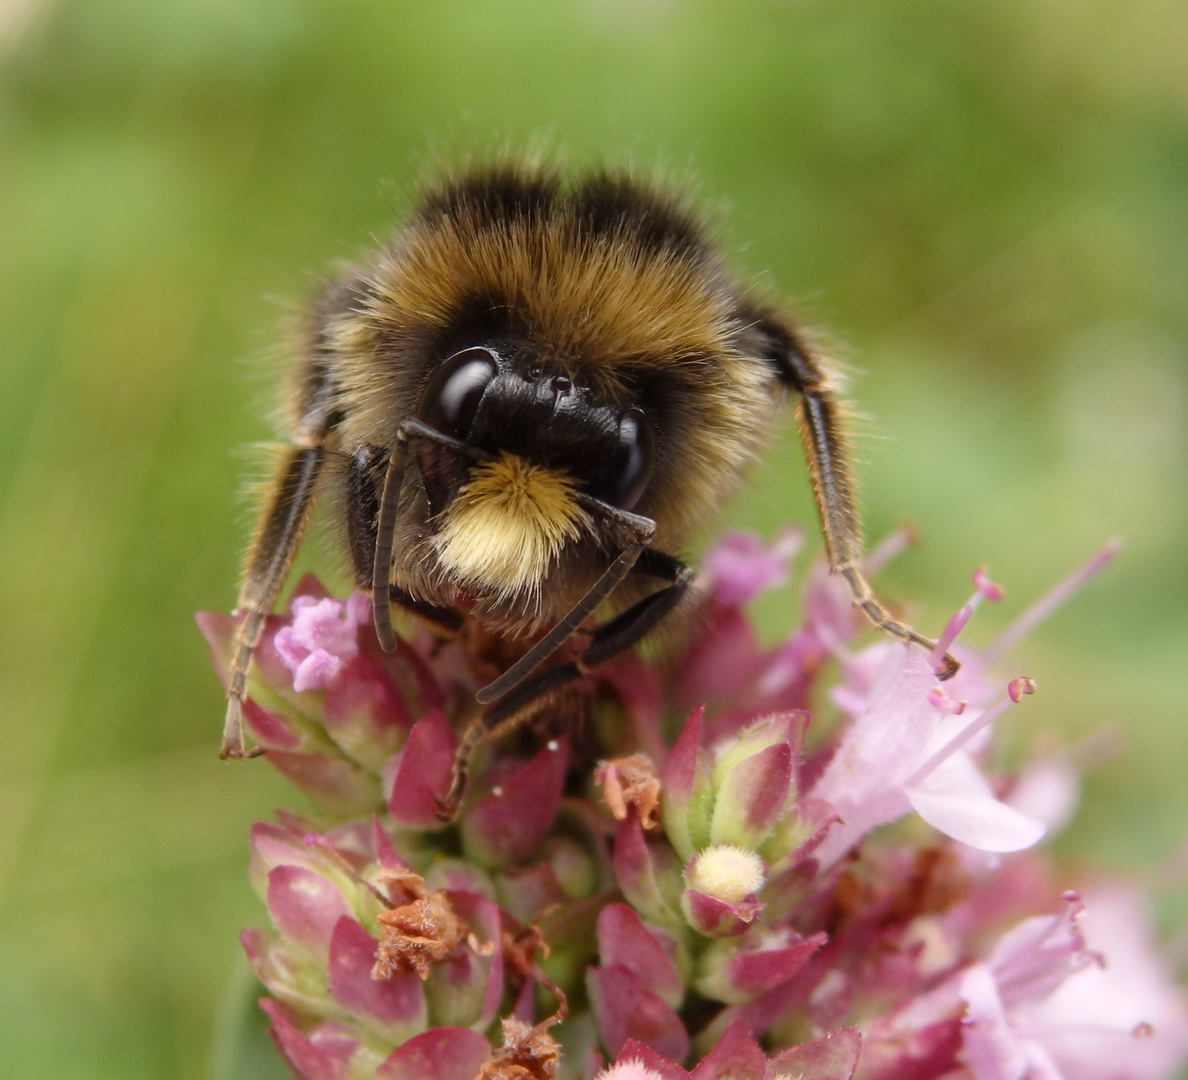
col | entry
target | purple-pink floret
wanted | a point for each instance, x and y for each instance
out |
(726, 897)
(321, 637)
(740, 566)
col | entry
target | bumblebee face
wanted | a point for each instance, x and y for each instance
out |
(589, 331)
(526, 442)
(498, 403)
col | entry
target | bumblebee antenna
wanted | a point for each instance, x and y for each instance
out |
(381, 568)
(551, 642)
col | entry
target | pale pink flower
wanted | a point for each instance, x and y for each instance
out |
(907, 752)
(1080, 995)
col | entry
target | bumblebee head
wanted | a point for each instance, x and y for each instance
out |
(568, 342)
(524, 442)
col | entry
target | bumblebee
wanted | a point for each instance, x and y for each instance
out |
(524, 406)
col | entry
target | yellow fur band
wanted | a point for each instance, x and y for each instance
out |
(507, 525)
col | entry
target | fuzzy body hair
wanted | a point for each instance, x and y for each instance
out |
(605, 281)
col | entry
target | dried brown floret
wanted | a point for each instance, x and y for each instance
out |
(631, 782)
(528, 1052)
(419, 934)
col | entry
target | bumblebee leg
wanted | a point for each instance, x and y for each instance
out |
(384, 528)
(820, 424)
(365, 478)
(275, 543)
(606, 641)
(444, 619)
(272, 553)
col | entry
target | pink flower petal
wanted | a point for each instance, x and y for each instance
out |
(1125, 1017)
(393, 1008)
(717, 918)
(1047, 791)
(877, 752)
(721, 663)
(635, 1051)
(365, 713)
(752, 796)
(323, 625)
(507, 825)
(991, 1050)
(647, 873)
(828, 608)
(443, 1053)
(626, 1009)
(269, 729)
(876, 773)
(218, 630)
(307, 1060)
(834, 1057)
(1037, 955)
(753, 972)
(467, 989)
(305, 908)
(318, 639)
(315, 670)
(624, 941)
(740, 566)
(358, 608)
(272, 668)
(955, 798)
(785, 677)
(685, 775)
(422, 773)
(735, 1056)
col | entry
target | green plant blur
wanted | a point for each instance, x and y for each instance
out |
(982, 202)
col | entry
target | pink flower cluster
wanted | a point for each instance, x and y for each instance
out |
(727, 887)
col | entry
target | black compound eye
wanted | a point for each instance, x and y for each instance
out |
(636, 454)
(451, 400)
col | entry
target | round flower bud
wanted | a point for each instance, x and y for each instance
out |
(727, 873)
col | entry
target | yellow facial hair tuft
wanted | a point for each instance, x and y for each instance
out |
(506, 526)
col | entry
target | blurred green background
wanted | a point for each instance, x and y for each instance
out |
(984, 203)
